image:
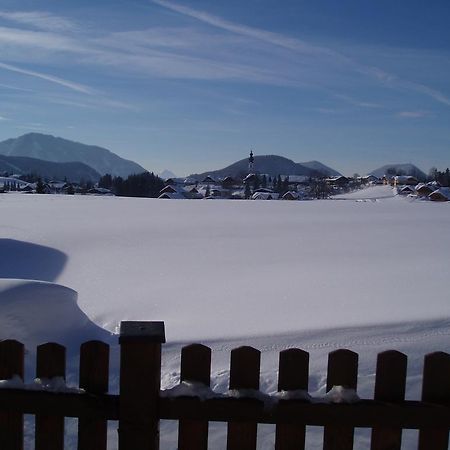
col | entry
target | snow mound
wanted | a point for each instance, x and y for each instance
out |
(35, 312)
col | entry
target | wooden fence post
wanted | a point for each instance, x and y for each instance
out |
(390, 384)
(140, 381)
(94, 377)
(11, 423)
(293, 374)
(435, 389)
(342, 371)
(244, 374)
(195, 366)
(49, 430)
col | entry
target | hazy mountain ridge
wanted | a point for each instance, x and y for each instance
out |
(399, 169)
(272, 165)
(55, 149)
(73, 171)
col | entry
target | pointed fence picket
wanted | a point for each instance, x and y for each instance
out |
(139, 407)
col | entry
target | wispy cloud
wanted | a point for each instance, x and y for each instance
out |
(301, 46)
(40, 20)
(413, 114)
(14, 88)
(52, 79)
(3, 118)
(359, 103)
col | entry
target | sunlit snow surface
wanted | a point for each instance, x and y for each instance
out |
(368, 271)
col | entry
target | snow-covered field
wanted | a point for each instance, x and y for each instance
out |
(367, 272)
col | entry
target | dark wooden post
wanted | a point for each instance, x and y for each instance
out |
(195, 366)
(11, 423)
(140, 381)
(342, 371)
(435, 389)
(244, 374)
(50, 363)
(293, 374)
(390, 386)
(94, 377)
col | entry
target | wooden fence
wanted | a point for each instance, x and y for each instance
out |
(139, 407)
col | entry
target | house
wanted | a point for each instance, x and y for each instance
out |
(209, 180)
(57, 187)
(406, 190)
(440, 195)
(369, 179)
(192, 192)
(172, 196)
(407, 180)
(98, 191)
(170, 182)
(169, 189)
(290, 195)
(424, 190)
(337, 181)
(228, 182)
(265, 196)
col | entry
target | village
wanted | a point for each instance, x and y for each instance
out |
(250, 186)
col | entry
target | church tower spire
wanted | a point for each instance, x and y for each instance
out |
(251, 161)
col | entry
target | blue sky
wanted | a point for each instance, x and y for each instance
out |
(192, 86)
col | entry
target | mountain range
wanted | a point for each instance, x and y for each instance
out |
(73, 171)
(399, 169)
(272, 165)
(55, 149)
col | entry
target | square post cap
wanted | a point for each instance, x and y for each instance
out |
(141, 331)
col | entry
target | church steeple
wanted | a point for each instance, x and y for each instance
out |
(251, 161)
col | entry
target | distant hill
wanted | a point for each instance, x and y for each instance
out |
(55, 149)
(272, 165)
(166, 174)
(322, 168)
(399, 169)
(73, 171)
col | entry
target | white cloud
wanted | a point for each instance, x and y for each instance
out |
(305, 48)
(39, 19)
(413, 114)
(68, 84)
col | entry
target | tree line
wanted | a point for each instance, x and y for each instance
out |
(145, 184)
(443, 178)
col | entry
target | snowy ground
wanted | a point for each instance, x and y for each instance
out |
(368, 271)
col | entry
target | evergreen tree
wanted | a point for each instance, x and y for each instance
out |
(208, 191)
(264, 181)
(247, 191)
(256, 183)
(40, 188)
(285, 186)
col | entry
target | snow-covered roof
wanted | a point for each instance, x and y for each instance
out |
(172, 195)
(291, 194)
(169, 188)
(443, 192)
(403, 179)
(265, 196)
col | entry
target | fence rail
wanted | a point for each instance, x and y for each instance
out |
(139, 406)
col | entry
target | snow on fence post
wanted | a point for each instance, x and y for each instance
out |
(293, 374)
(49, 430)
(435, 389)
(342, 371)
(244, 374)
(196, 367)
(390, 385)
(140, 380)
(11, 423)
(94, 379)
